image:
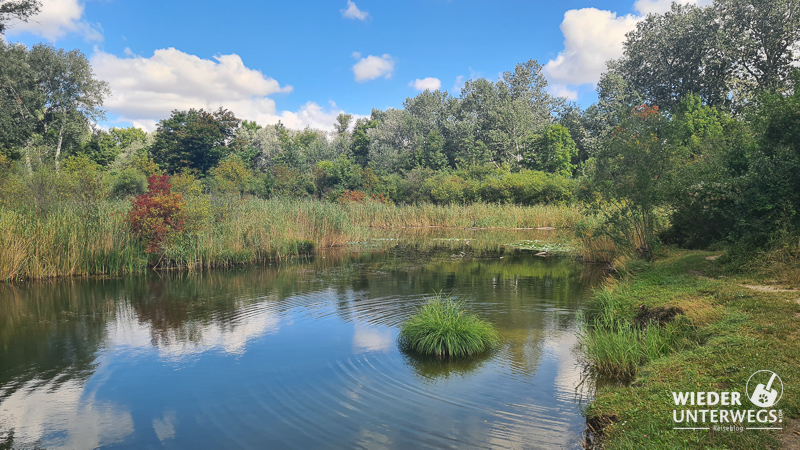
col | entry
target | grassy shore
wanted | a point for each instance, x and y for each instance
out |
(80, 241)
(732, 326)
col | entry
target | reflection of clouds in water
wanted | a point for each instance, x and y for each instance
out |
(62, 415)
(165, 427)
(368, 339)
(193, 337)
(569, 371)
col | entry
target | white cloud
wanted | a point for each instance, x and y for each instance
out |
(646, 7)
(559, 90)
(430, 84)
(58, 18)
(591, 37)
(373, 67)
(352, 12)
(146, 90)
(310, 114)
(458, 85)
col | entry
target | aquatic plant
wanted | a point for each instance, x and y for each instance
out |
(444, 329)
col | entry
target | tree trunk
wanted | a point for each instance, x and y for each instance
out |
(60, 140)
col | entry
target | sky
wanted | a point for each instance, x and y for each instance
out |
(304, 62)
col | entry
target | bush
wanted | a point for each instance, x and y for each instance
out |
(156, 215)
(129, 182)
(445, 188)
(443, 329)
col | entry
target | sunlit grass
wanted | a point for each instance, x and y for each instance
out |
(444, 329)
(71, 241)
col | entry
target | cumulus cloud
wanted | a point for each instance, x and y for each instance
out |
(58, 18)
(147, 89)
(559, 90)
(591, 37)
(646, 7)
(373, 67)
(430, 84)
(352, 12)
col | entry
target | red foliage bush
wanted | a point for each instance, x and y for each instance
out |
(352, 197)
(156, 215)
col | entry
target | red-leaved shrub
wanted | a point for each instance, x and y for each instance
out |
(156, 215)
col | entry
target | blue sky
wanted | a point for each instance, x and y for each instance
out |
(304, 62)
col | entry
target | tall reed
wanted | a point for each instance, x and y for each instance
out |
(76, 240)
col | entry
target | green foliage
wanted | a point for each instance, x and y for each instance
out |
(288, 181)
(338, 175)
(129, 182)
(360, 142)
(551, 151)
(431, 153)
(444, 329)
(194, 140)
(231, 175)
(101, 148)
(636, 170)
(17, 10)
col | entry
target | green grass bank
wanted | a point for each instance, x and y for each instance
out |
(732, 326)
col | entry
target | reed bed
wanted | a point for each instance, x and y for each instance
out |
(76, 240)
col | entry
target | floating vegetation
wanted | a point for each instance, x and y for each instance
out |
(546, 247)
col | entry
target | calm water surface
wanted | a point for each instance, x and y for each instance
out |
(295, 355)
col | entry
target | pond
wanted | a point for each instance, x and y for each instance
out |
(293, 355)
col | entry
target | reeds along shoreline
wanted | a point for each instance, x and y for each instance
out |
(73, 240)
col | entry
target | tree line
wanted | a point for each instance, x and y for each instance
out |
(697, 123)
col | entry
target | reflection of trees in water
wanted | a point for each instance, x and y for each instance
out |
(55, 329)
(51, 330)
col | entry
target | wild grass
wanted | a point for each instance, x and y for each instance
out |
(615, 346)
(620, 349)
(71, 239)
(444, 329)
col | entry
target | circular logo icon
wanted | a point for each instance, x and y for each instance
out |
(764, 388)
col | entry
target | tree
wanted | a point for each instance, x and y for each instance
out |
(101, 148)
(342, 123)
(551, 151)
(19, 97)
(125, 137)
(669, 56)
(764, 36)
(17, 10)
(69, 92)
(195, 140)
(360, 143)
(431, 154)
(725, 53)
(634, 170)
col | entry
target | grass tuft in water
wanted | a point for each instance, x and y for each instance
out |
(444, 329)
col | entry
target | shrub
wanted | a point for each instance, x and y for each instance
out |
(129, 182)
(231, 175)
(443, 329)
(156, 215)
(352, 197)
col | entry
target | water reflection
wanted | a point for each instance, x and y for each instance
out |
(293, 354)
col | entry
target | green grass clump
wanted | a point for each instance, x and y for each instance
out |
(617, 351)
(615, 346)
(444, 329)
